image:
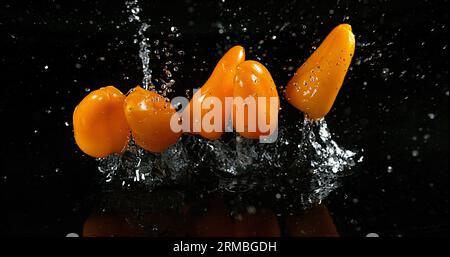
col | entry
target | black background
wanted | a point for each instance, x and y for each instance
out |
(393, 104)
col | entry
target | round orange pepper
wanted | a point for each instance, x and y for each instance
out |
(148, 114)
(315, 85)
(99, 123)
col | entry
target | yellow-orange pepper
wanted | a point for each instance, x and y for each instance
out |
(99, 123)
(148, 115)
(316, 83)
(220, 85)
(254, 80)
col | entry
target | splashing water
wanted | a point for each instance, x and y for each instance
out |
(158, 51)
(144, 48)
(311, 169)
(326, 161)
(304, 161)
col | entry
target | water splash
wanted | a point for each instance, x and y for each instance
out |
(305, 161)
(144, 46)
(327, 154)
(325, 161)
(137, 166)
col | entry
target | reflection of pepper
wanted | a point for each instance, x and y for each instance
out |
(262, 223)
(216, 222)
(316, 83)
(313, 222)
(110, 225)
(99, 123)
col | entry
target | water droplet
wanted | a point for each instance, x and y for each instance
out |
(389, 169)
(385, 73)
(251, 209)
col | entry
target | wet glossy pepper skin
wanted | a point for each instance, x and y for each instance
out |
(99, 123)
(148, 115)
(316, 83)
(253, 79)
(220, 85)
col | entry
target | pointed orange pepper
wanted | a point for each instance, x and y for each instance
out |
(254, 80)
(315, 85)
(220, 85)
